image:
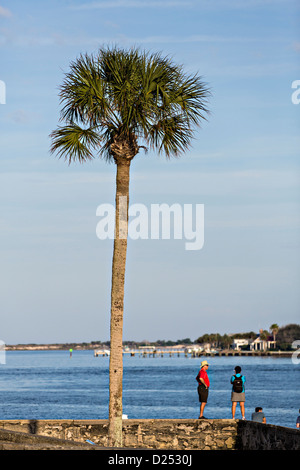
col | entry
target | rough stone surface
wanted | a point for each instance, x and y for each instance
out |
(15, 440)
(182, 434)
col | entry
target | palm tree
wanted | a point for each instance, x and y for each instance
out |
(274, 328)
(115, 103)
(264, 334)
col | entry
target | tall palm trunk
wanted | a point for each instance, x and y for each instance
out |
(157, 103)
(117, 303)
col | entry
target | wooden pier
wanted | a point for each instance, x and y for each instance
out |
(161, 352)
(143, 353)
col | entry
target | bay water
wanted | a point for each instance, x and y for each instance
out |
(53, 385)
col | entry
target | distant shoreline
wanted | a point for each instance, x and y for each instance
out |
(97, 346)
(52, 347)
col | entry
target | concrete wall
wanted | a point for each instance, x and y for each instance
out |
(182, 434)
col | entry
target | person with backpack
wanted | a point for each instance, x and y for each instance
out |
(238, 391)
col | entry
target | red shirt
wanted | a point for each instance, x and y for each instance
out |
(203, 375)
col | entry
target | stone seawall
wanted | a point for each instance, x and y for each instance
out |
(180, 434)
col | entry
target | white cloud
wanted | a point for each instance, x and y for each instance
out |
(4, 12)
(297, 46)
(132, 4)
(216, 4)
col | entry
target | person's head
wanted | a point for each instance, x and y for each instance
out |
(258, 408)
(204, 364)
(237, 369)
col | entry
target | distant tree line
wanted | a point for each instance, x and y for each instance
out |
(285, 336)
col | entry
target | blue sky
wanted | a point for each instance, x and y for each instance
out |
(243, 166)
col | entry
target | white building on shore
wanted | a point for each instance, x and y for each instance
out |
(237, 343)
(262, 344)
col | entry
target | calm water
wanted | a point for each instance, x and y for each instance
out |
(50, 384)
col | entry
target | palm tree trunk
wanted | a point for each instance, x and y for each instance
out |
(117, 303)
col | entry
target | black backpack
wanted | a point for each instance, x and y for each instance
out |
(237, 384)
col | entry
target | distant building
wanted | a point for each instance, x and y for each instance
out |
(237, 343)
(147, 348)
(193, 348)
(262, 344)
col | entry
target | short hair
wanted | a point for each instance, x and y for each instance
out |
(258, 408)
(237, 369)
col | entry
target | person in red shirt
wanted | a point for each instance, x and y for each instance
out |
(203, 381)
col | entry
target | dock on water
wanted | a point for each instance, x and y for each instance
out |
(148, 351)
(143, 353)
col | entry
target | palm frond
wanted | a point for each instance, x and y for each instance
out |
(171, 136)
(75, 143)
(128, 94)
